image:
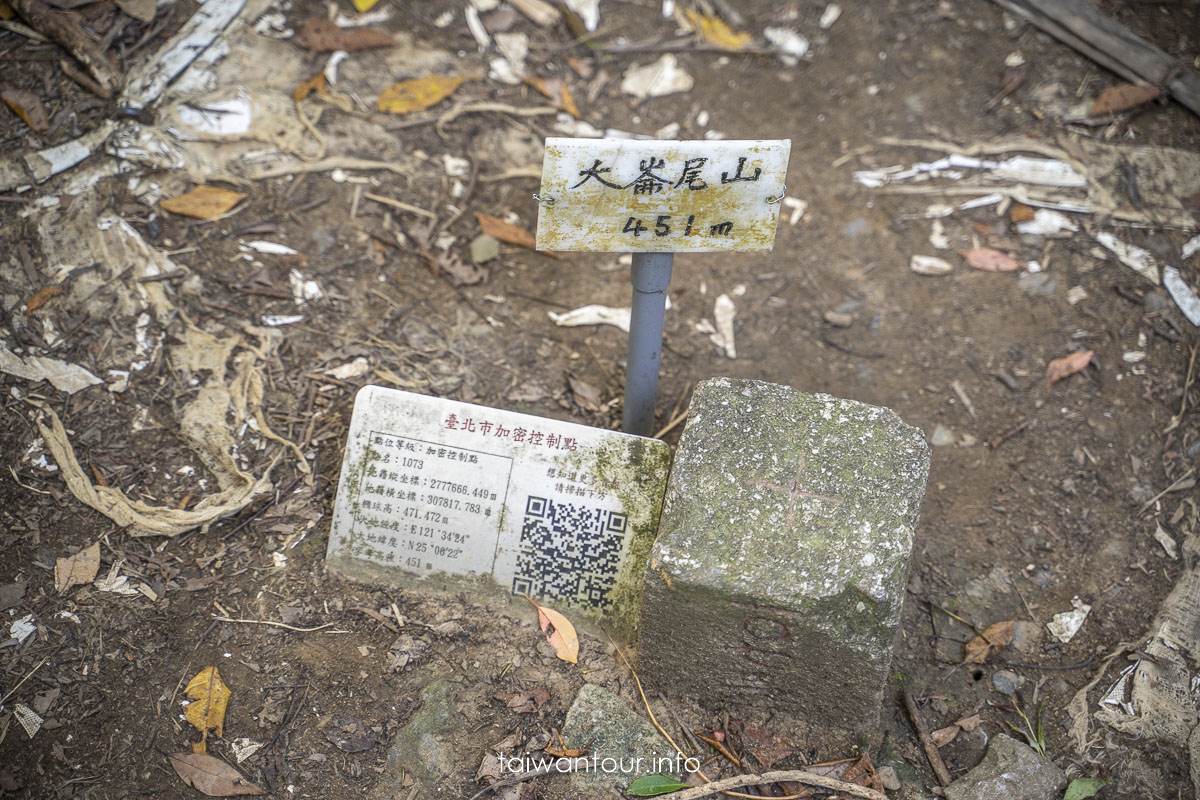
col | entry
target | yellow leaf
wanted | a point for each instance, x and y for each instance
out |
(6, 11)
(560, 633)
(317, 83)
(210, 697)
(364, 5)
(715, 31)
(417, 94)
(203, 202)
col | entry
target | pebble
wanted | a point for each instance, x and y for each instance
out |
(891, 781)
(942, 436)
(839, 319)
(484, 248)
(856, 228)
(1007, 682)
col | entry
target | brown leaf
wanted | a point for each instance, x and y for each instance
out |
(969, 723)
(417, 94)
(559, 93)
(203, 202)
(322, 35)
(560, 633)
(989, 260)
(862, 772)
(1120, 97)
(77, 570)
(1060, 368)
(586, 395)
(317, 83)
(995, 637)
(28, 107)
(525, 702)
(42, 297)
(1021, 213)
(138, 9)
(211, 776)
(505, 231)
(944, 736)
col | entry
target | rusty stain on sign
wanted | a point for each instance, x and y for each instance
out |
(623, 195)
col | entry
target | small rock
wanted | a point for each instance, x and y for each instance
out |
(1042, 284)
(1007, 682)
(856, 228)
(1026, 636)
(484, 248)
(942, 436)
(930, 265)
(838, 319)
(1010, 770)
(891, 781)
(1156, 300)
(617, 732)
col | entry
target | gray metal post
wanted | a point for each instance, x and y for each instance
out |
(651, 274)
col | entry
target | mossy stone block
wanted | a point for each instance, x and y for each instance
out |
(777, 577)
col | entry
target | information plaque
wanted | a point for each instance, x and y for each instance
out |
(447, 494)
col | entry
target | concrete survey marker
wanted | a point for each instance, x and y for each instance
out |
(631, 195)
(782, 553)
(446, 494)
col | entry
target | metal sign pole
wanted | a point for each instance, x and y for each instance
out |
(650, 276)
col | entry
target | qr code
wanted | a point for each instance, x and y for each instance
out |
(569, 552)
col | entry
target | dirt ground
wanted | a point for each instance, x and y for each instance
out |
(1038, 495)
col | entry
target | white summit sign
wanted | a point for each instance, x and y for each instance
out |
(633, 195)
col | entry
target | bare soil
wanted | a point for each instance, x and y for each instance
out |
(1043, 496)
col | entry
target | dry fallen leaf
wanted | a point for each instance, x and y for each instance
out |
(28, 107)
(138, 9)
(525, 702)
(210, 697)
(559, 93)
(969, 723)
(41, 297)
(944, 736)
(203, 202)
(505, 231)
(417, 94)
(6, 11)
(715, 31)
(989, 260)
(586, 395)
(1021, 213)
(77, 570)
(317, 83)
(1121, 97)
(1060, 368)
(211, 776)
(323, 35)
(995, 637)
(560, 633)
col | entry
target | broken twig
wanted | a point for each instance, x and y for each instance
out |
(67, 32)
(931, 751)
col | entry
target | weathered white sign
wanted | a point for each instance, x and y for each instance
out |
(444, 492)
(626, 195)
